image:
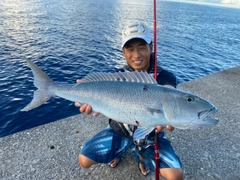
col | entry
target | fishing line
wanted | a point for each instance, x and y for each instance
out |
(156, 144)
(155, 37)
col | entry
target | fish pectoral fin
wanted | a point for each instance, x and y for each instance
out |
(142, 132)
(155, 112)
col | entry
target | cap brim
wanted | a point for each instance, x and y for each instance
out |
(139, 36)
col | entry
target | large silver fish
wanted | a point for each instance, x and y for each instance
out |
(129, 97)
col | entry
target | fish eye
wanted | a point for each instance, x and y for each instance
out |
(189, 99)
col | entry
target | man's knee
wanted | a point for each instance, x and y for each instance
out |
(85, 162)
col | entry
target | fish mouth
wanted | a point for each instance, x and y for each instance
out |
(204, 115)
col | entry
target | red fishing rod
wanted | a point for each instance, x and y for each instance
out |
(156, 145)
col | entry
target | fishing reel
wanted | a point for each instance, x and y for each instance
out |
(142, 144)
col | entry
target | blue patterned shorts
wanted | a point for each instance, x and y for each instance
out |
(107, 145)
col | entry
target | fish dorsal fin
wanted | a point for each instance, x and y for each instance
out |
(135, 76)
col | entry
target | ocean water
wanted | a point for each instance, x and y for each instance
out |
(70, 38)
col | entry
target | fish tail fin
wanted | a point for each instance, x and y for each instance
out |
(42, 82)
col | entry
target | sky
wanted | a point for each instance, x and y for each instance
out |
(233, 2)
(230, 3)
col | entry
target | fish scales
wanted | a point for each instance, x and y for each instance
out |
(125, 101)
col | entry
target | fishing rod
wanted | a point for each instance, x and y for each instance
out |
(156, 145)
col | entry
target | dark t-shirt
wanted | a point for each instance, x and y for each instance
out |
(164, 77)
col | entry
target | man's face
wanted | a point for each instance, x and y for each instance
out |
(137, 53)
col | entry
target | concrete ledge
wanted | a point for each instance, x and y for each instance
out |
(50, 151)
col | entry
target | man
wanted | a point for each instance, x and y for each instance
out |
(109, 144)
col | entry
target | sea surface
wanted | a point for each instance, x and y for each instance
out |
(69, 39)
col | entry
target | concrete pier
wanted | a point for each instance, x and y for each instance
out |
(50, 151)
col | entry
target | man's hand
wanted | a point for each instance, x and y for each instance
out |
(84, 108)
(160, 128)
